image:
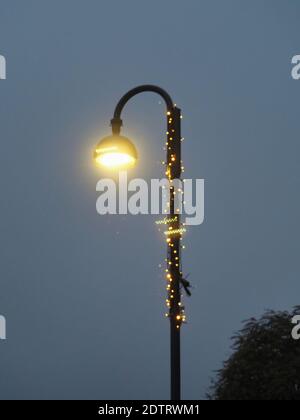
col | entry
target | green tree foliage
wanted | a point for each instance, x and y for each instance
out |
(265, 364)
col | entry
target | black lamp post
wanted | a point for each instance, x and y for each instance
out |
(117, 150)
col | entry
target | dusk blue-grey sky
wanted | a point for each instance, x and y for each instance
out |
(83, 294)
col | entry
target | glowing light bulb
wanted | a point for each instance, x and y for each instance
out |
(115, 152)
(115, 160)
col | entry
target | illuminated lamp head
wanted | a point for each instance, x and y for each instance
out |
(115, 152)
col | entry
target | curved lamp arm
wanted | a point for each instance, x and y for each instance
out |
(117, 123)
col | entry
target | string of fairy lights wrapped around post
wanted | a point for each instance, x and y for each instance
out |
(174, 233)
(116, 150)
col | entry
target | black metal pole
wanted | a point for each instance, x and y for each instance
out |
(174, 247)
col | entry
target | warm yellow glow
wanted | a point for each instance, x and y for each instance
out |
(115, 152)
(166, 221)
(115, 160)
(172, 231)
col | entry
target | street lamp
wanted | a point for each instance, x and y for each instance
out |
(119, 152)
